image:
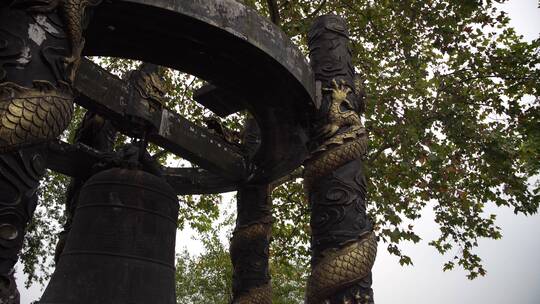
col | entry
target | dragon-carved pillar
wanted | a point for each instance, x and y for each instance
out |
(20, 173)
(250, 246)
(343, 243)
(40, 50)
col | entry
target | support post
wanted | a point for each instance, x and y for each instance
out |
(250, 246)
(20, 173)
(40, 50)
(342, 242)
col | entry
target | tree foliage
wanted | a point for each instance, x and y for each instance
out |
(207, 277)
(452, 127)
(448, 125)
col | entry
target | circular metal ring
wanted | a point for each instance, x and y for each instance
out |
(230, 46)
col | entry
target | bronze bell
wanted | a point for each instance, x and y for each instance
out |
(121, 247)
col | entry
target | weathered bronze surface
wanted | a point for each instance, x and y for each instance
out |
(122, 223)
(220, 101)
(210, 30)
(250, 246)
(97, 133)
(77, 161)
(40, 51)
(343, 244)
(20, 173)
(121, 245)
(228, 45)
(121, 102)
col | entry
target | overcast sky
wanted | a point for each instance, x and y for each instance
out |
(513, 263)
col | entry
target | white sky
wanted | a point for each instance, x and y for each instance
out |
(512, 263)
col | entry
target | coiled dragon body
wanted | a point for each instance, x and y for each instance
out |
(344, 140)
(30, 115)
(73, 12)
(249, 237)
(250, 247)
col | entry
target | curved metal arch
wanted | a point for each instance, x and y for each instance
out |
(230, 46)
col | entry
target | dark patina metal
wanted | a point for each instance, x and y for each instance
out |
(121, 245)
(40, 50)
(250, 246)
(343, 245)
(20, 173)
(230, 46)
(77, 160)
(97, 133)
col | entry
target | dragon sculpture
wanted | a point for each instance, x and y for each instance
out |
(250, 243)
(36, 110)
(40, 50)
(343, 243)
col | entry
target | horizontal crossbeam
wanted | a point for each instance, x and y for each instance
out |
(106, 94)
(77, 161)
(250, 61)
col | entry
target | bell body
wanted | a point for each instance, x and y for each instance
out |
(121, 247)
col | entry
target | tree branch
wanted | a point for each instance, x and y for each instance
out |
(298, 173)
(274, 11)
(318, 9)
(381, 149)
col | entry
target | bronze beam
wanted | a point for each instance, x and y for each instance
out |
(77, 161)
(106, 94)
(228, 45)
